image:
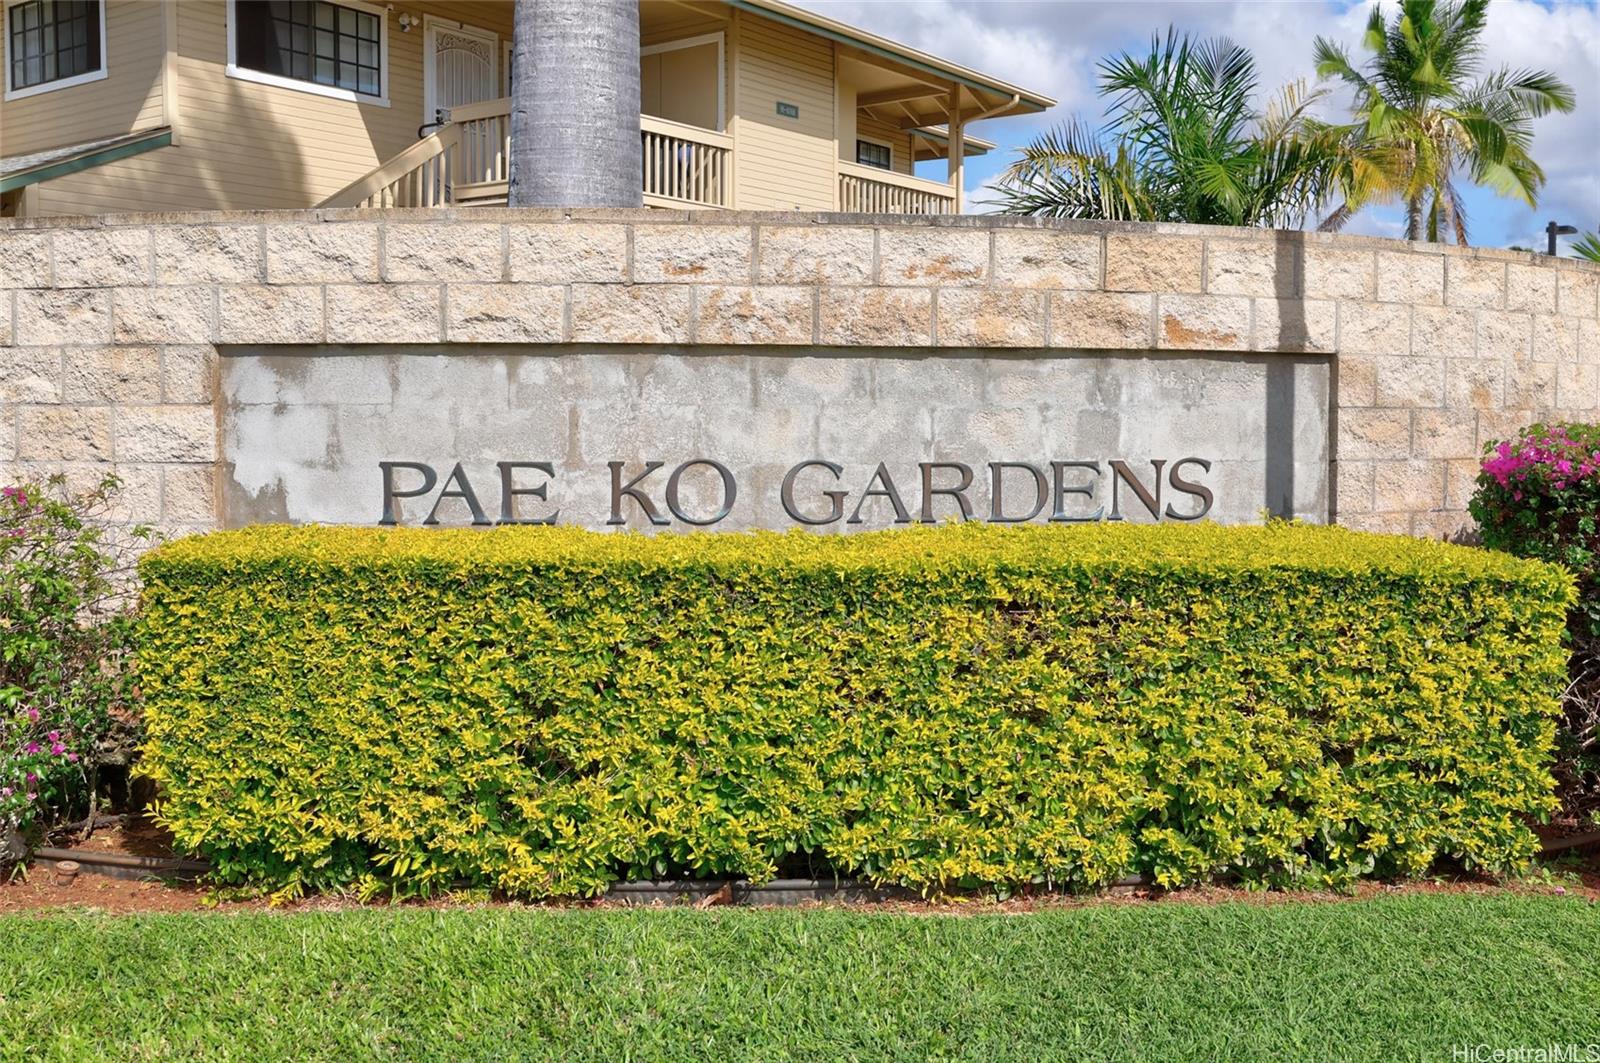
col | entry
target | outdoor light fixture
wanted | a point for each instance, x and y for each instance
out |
(1552, 231)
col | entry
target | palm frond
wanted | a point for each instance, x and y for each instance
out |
(1532, 92)
(1336, 220)
(1458, 213)
(1068, 173)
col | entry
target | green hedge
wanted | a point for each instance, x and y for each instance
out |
(545, 710)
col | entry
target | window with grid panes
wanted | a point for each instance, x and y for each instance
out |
(311, 40)
(51, 40)
(877, 155)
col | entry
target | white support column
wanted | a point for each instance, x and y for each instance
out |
(735, 48)
(956, 150)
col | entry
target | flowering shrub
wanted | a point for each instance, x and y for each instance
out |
(1539, 496)
(63, 634)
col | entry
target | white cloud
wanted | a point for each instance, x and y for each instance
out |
(1053, 46)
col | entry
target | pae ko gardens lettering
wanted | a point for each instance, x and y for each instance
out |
(813, 493)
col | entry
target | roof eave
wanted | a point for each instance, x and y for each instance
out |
(1028, 101)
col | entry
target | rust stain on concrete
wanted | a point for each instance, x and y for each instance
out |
(941, 267)
(1180, 335)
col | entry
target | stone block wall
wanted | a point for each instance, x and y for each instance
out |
(109, 327)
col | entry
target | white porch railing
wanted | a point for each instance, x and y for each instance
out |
(869, 190)
(466, 162)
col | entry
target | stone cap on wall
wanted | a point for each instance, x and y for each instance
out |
(654, 216)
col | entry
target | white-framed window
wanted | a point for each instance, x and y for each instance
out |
(53, 44)
(685, 81)
(329, 49)
(874, 153)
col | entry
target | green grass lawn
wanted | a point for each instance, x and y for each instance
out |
(1403, 977)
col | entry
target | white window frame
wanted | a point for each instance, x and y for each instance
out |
(234, 70)
(856, 155)
(719, 40)
(60, 83)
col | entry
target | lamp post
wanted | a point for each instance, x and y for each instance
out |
(1552, 231)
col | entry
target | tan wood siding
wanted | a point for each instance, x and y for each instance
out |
(246, 145)
(784, 163)
(128, 98)
(884, 133)
(665, 30)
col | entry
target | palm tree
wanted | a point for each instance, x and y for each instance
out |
(1587, 246)
(1182, 143)
(575, 104)
(1422, 115)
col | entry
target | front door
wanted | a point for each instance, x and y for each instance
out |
(461, 67)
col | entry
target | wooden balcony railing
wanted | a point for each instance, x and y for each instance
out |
(466, 162)
(869, 190)
(684, 165)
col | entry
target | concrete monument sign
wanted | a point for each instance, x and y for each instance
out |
(766, 437)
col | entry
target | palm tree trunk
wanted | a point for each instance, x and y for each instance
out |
(575, 104)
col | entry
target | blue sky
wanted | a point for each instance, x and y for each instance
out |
(1053, 46)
